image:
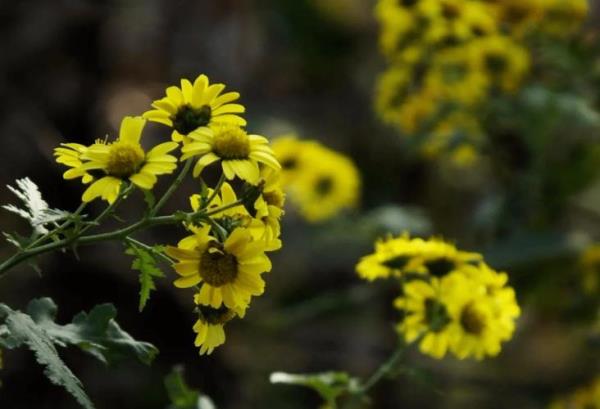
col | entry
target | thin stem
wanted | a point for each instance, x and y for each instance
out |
(116, 234)
(59, 228)
(151, 249)
(385, 369)
(108, 210)
(217, 189)
(223, 208)
(178, 180)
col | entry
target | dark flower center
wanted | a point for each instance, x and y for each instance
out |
(436, 315)
(214, 316)
(217, 267)
(440, 267)
(188, 119)
(324, 186)
(495, 63)
(472, 320)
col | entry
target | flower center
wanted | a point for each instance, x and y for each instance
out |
(472, 320)
(231, 143)
(218, 268)
(274, 198)
(436, 315)
(124, 159)
(214, 316)
(440, 267)
(188, 119)
(516, 13)
(495, 63)
(450, 11)
(289, 163)
(408, 3)
(396, 263)
(324, 185)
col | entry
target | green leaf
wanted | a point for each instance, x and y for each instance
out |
(146, 263)
(182, 396)
(96, 333)
(330, 385)
(23, 330)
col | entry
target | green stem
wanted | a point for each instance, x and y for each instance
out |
(385, 369)
(108, 210)
(151, 249)
(178, 180)
(59, 228)
(217, 189)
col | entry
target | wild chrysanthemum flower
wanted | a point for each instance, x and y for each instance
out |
(563, 17)
(482, 313)
(395, 256)
(118, 161)
(438, 257)
(453, 77)
(209, 327)
(392, 257)
(228, 273)
(239, 152)
(520, 16)
(69, 154)
(269, 209)
(397, 21)
(329, 185)
(196, 105)
(425, 316)
(502, 59)
(289, 152)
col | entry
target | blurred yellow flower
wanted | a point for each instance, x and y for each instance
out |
(590, 266)
(563, 17)
(587, 397)
(209, 327)
(328, 185)
(502, 59)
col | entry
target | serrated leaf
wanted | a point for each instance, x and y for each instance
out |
(146, 263)
(330, 385)
(23, 330)
(96, 332)
(182, 396)
(36, 211)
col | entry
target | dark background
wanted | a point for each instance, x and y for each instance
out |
(70, 70)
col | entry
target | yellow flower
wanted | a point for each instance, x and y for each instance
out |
(69, 154)
(520, 15)
(438, 257)
(458, 129)
(392, 257)
(209, 327)
(196, 105)
(402, 254)
(480, 320)
(229, 273)
(454, 77)
(122, 160)
(397, 21)
(329, 185)
(451, 22)
(238, 152)
(289, 151)
(563, 17)
(502, 59)
(269, 210)
(264, 226)
(425, 316)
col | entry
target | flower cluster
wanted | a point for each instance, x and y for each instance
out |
(454, 55)
(451, 300)
(320, 182)
(584, 398)
(224, 255)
